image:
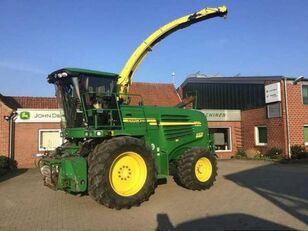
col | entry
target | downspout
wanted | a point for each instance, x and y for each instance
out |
(11, 119)
(287, 116)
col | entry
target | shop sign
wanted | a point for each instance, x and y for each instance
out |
(272, 93)
(38, 116)
(222, 115)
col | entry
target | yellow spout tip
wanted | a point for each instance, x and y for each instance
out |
(223, 9)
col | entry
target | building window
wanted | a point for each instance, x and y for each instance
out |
(261, 135)
(222, 139)
(305, 94)
(49, 139)
(306, 134)
(274, 110)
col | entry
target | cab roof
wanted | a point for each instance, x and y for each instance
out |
(79, 72)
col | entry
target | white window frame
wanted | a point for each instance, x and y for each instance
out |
(257, 135)
(302, 93)
(47, 130)
(305, 126)
(230, 139)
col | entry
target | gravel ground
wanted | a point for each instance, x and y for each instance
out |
(246, 195)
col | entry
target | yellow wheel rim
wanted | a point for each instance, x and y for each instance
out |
(128, 174)
(203, 169)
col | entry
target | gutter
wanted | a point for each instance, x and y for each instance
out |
(287, 116)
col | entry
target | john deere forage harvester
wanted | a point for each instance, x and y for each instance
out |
(116, 152)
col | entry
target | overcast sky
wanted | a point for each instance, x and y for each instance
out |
(259, 37)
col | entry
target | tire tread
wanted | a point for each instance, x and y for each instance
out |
(98, 163)
(185, 175)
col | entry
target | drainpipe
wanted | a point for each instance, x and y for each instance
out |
(11, 119)
(287, 116)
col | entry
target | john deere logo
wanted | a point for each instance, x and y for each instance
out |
(25, 115)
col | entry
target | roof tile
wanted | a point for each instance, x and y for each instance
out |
(15, 102)
(159, 94)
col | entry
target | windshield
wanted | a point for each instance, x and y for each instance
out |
(75, 92)
(92, 89)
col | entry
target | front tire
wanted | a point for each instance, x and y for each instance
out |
(121, 173)
(196, 170)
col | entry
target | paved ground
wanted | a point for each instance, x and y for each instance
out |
(247, 195)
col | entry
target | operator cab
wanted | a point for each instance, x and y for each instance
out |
(87, 98)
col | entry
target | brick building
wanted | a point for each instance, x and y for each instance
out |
(36, 126)
(253, 114)
(244, 113)
(25, 140)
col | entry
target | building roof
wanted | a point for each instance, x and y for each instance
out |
(160, 94)
(15, 102)
(236, 79)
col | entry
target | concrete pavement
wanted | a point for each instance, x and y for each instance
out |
(246, 195)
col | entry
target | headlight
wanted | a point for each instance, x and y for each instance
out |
(61, 75)
(64, 74)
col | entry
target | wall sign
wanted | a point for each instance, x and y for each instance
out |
(25, 115)
(222, 115)
(272, 93)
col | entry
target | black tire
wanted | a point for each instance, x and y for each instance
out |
(40, 163)
(100, 162)
(185, 175)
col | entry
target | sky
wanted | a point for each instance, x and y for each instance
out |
(258, 38)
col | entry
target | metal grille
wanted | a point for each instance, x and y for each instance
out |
(173, 132)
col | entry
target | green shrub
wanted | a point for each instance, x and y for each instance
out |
(240, 154)
(298, 152)
(274, 153)
(6, 164)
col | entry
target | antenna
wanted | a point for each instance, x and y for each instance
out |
(173, 78)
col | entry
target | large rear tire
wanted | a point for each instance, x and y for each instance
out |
(121, 173)
(196, 170)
